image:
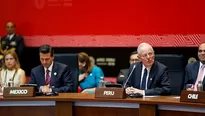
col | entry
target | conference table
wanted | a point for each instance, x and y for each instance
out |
(82, 104)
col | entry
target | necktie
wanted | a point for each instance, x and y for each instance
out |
(143, 83)
(199, 78)
(47, 77)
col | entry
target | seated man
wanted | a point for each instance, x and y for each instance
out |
(148, 77)
(194, 72)
(51, 76)
(124, 72)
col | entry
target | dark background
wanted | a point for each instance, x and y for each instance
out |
(31, 56)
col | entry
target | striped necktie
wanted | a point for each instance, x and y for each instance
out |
(47, 77)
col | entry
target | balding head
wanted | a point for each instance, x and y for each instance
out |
(10, 28)
(144, 46)
(201, 53)
(146, 54)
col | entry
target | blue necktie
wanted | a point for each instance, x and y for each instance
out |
(143, 84)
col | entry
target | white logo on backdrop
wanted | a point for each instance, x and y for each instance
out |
(40, 4)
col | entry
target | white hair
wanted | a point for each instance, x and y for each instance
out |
(143, 45)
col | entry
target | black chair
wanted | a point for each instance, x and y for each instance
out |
(176, 65)
(71, 60)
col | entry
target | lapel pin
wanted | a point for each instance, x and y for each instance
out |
(150, 79)
(55, 73)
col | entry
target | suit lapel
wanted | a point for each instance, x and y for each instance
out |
(13, 37)
(196, 70)
(53, 74)
(137, 72)
(151, 74)
(42, 78)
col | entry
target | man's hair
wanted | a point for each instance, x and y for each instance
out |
(133, 53)
(46, 49)
(201, 44)
(12, 23)
(142, 45)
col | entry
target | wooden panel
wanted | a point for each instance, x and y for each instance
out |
(179, 113)
(110, 93)
(27, 111)
(104, 111)
(64, 108)
(19, 92)
(147, 110)
(193, 96)
(81, 97)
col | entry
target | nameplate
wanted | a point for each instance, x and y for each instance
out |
(193, 96)
(18, 92)
(115, 93)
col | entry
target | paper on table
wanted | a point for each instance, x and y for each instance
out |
(152, 96)
(177, 97)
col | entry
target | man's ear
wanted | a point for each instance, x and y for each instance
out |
(140, 58)
(52, 57)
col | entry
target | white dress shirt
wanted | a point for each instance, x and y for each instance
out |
(200, 66)
(50, 70)
(142, 74)
(10, 36)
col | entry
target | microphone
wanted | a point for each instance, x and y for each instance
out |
(129, 76)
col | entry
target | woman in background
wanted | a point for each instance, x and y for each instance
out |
(11, 71)
(89, 76)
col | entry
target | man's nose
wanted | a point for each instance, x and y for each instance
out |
(44, 61)
(148, 56)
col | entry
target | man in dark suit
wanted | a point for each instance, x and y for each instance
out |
(195, 72)
(12, 41)
(51, 76)
(148, 77)
(122, 76)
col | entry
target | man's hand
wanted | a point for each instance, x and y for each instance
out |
(190, 89)
(122, 76)
(131, 90)
(45, 89)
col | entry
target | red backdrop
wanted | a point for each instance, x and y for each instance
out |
(114, 23)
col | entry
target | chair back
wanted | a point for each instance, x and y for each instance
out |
(71, 60)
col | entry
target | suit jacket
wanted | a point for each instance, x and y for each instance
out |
(16, 42)
(124, 72)
(158, 81)
(191, 73)
(60, 77)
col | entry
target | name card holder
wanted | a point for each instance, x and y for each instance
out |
(18, 92)
(193, 96)
(113, 93)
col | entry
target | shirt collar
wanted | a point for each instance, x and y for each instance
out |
(200, 65)
(148, 68)
(10, 36)
(49, 68)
